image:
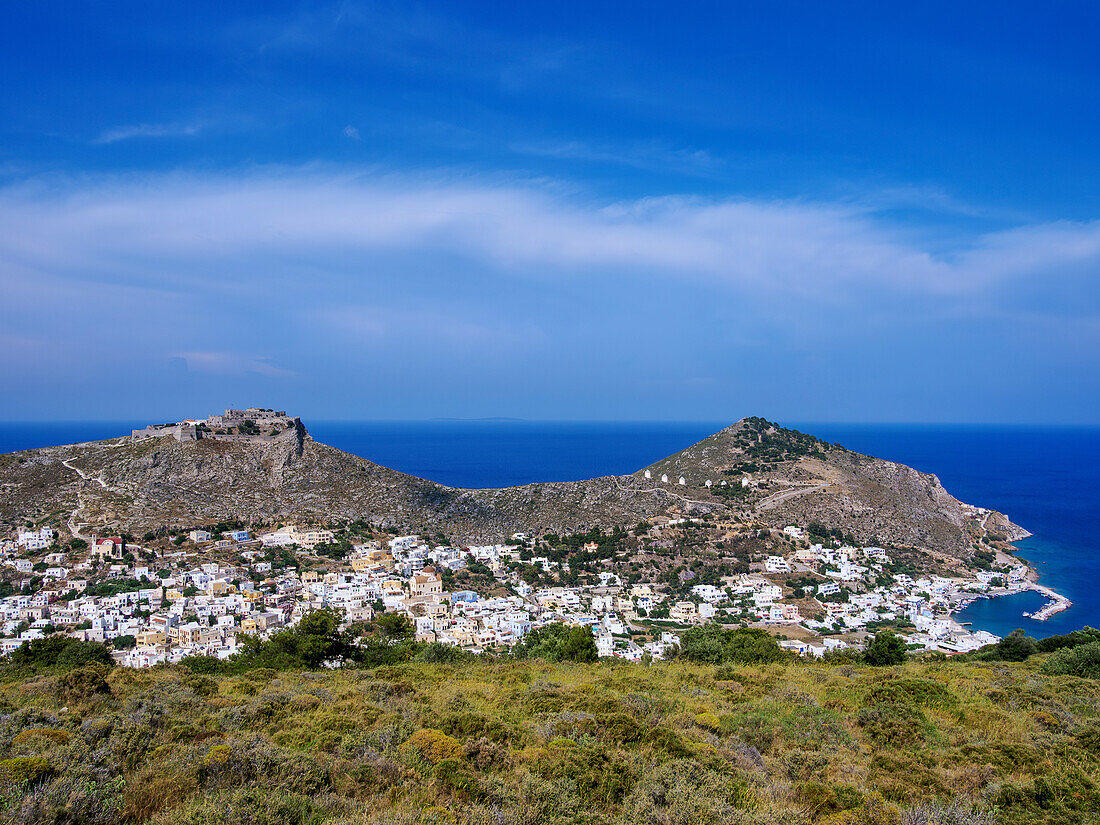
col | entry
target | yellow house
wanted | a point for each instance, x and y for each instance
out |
(464, 632)
(147, 638)
(381, 556)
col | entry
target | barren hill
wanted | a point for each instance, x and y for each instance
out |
(142, 485)
(795, 478)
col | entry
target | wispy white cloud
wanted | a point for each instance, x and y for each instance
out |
(650, 156)
(351, 132)
(233, 364)
(159, 228)
(247, 236)
(440, 325)
(149, 130)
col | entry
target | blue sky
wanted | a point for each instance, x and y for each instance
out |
(843, 211)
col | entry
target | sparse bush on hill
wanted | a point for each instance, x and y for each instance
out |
(886, 648)
(56, 653)
(558, 643)
(1017, 646)
(246, 806)
(1083, 660)
(23, 770)
(715, 645)
(433, 746)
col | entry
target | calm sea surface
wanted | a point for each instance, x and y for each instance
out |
(1045, 479)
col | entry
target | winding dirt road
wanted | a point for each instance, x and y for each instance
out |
(775, 499)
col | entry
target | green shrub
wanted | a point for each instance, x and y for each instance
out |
(828, 799)
(558, 643)
(439, 653)
(874, 810)
(686, 793)
(924, 692)
(433, 746)
(315, 641)
(619, 728)
(755, 725)
(455, 776)
(208, 665)
(713, 644)
(814, 728)
(598, 777)
(245, 806)
(1083, 661)
(666, 741)
(304, 702)
(202, 685)
(40, 736)
(887, 648)
(23, 770)
(60, 653)
(476, 726)
(708, 721)
(1088, 738)
(1015, 647)
(82, 684)
(895, 725)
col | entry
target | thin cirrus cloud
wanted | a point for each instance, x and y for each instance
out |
(157, 227)
(148, 130)
(232, 364)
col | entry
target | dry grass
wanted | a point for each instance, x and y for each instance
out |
(530, 742)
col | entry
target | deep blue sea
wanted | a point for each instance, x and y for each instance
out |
(1045, 479)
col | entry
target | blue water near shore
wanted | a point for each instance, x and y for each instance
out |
(1044, 478)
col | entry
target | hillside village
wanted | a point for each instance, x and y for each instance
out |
(196, 593)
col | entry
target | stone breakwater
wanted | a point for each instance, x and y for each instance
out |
(1057, 603)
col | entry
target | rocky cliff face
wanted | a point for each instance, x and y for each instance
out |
(143, 485)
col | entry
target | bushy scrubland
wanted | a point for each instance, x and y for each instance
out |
(512, 742)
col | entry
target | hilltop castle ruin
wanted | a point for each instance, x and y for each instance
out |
(253, 424)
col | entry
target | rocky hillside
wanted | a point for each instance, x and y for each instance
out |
(795, 478)
(140, 486)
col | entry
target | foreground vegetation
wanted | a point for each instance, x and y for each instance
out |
(508, 740)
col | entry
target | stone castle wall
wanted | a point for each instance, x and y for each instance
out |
(188, 431)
